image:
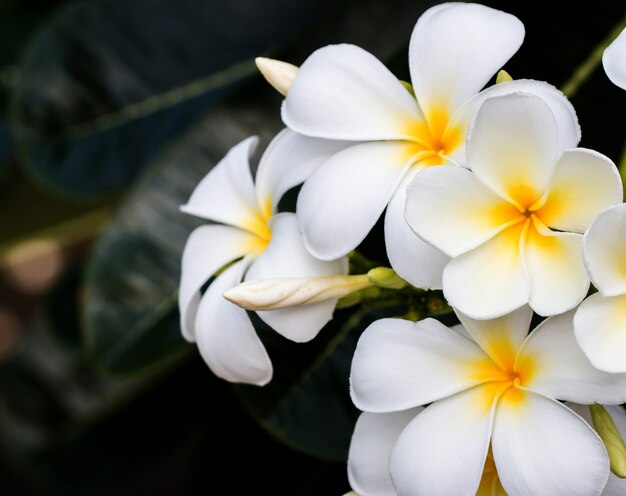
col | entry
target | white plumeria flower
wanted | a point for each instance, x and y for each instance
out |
(614, 60)
(261, 245)
(343, 92)
(372, 441)
(513, 225)
(376, 433)
(493, 386)
(600, 321)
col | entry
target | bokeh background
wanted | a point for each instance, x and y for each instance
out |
(110, 112)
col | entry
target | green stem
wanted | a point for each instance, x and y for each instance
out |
(582, 73)
(150, 105)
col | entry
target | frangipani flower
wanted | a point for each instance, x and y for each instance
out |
(376, 433)
(372, 441)
(260, 244)
(513, 225)
(614, 60)
(600, 321)
(343, 92)
(615, 486)
(489, 386)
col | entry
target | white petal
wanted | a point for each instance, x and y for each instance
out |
(615, 486)
(555, 267)
(207, 250)
(564, 113)
(584, 184)
(490, 280)
(500, 338)
(288, 160)
(603, 249)
(451, 209)
(344, 92)
(226, 338)
(412, 258)
(559, 369)
(614, 60)
(600, 327)
(286, 256)
(512, 146)
(542, 447)
(456, 48)
(226, 194)
(442, 452)
(343, 199)
(373, 437)
(398, 365)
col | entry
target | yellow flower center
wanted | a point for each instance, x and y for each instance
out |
(503, 370)
(432, 140)
(523, 217)
(258, 224)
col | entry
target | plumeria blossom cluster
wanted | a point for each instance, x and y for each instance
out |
(485, 196)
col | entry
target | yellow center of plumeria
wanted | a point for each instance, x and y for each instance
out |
(505, 372)
(433, 140)
(258, 224)
(524, 216)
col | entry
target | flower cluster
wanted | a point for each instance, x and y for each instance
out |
(485, 195)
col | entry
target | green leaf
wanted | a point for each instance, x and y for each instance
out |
(130, 308)
(7, 150)
(307, 404)
(109, 83)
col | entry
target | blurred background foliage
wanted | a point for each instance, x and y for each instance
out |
(111, 111)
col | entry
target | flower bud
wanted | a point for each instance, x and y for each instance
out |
(279, 74)
(611, 438)
(271, 294)
(503, 77)
(384, 277)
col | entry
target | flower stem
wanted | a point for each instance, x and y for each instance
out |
(582, 73)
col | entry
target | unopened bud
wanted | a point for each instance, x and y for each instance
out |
(279, 74)
(408, 86)
(611, 437)
(271, 294)
(503, 77)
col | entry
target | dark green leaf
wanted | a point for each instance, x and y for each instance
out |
(110, 82)
(133, 275)
(7, 150)
(307, 404)
(130, 308)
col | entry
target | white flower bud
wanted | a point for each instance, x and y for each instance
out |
(270, 294)
(279, 74)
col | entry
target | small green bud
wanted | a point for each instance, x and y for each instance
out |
(384, 277)
(436, 305)
(408, 86)
(611, 438)
(503, 77)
